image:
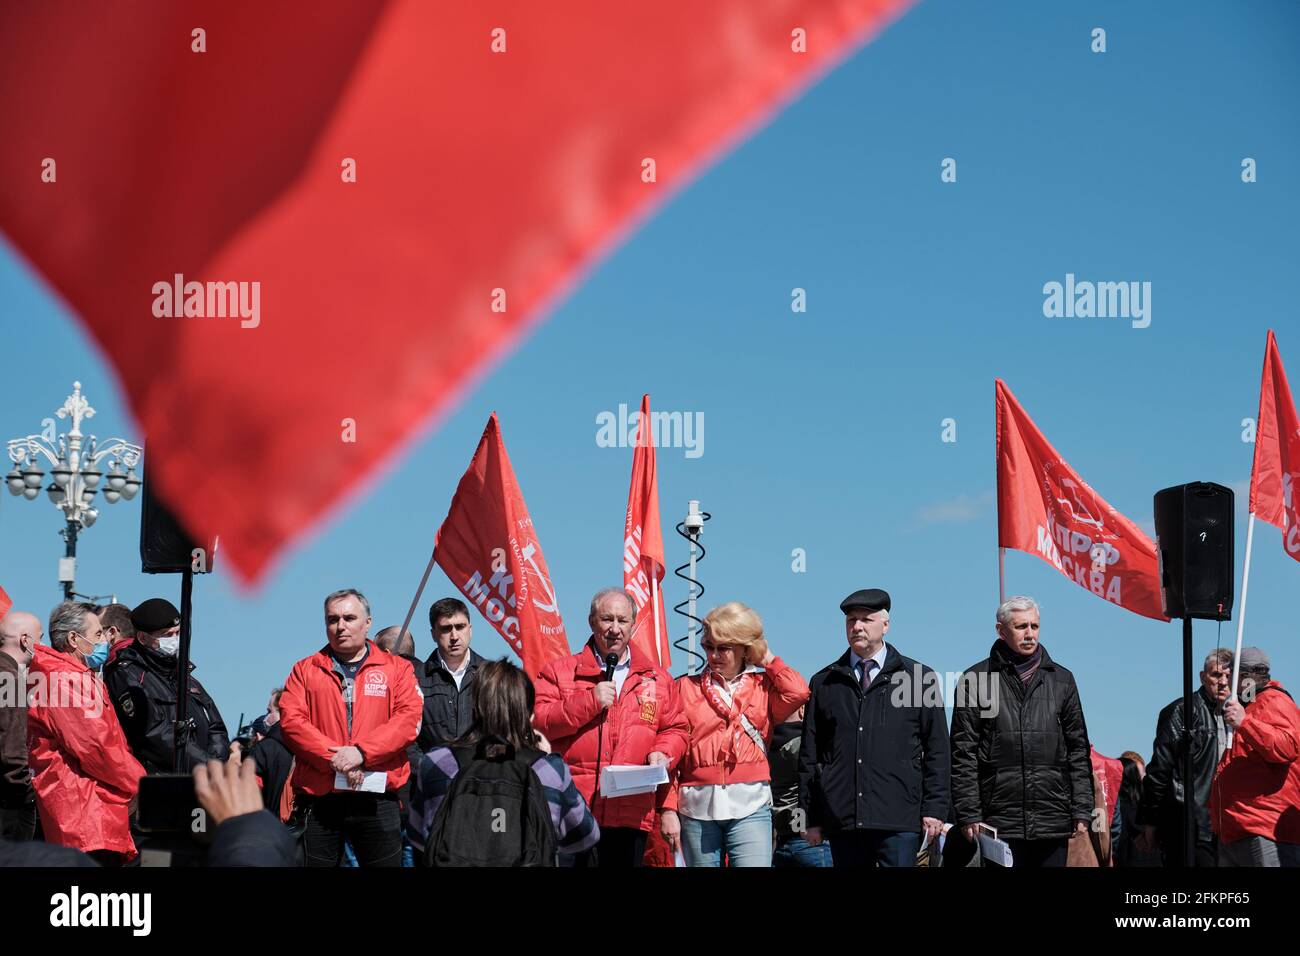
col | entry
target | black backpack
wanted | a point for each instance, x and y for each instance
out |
(495, 813)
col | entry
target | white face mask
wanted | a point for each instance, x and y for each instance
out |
(169, 645)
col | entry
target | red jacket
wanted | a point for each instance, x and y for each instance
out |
(1257, 785)
(1112, 775)
(646, 717)
(386, 714)
(722, 751)
(82, 771)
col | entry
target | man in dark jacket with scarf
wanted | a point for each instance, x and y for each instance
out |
(873, 761)
(1020, 746)
(1161, 810)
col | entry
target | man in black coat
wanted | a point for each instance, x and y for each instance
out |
(141, 680)
(447, 679)
(873, 761)
(1020, 747)
(1161, 811)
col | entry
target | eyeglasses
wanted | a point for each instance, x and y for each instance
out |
(720, 648)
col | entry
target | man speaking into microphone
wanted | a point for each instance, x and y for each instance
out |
(607, 706)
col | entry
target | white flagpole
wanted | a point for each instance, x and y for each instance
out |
(654, 601)
(1002, 575)
(1241, 615)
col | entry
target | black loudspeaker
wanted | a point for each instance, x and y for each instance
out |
(1194, 545)
(165, 547)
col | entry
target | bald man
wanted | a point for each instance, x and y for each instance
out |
(20, 632)
(403, 646)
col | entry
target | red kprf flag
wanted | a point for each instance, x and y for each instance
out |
(643, 547)
(298, 236)
(490, 551)
(1275, 474)
(1046, 509)
(5, 603)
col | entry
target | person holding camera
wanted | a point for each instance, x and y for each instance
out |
(720, 801)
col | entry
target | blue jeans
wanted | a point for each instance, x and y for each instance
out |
(799, 852)
(747, 841)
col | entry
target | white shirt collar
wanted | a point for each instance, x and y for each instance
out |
(878, 657)
(622, 665)
(455, 672)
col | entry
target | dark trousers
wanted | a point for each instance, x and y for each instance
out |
(858, 848)
(620, 848)
(18, 821)
(1171, 849)
(371, 823)
(1037, 854)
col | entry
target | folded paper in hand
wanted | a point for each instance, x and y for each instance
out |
(627, 779)
(993, 849)
(375, 781)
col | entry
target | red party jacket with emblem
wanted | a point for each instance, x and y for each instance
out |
(645, 718)
(386, 710)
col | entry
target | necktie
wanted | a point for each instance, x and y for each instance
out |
(868, 668)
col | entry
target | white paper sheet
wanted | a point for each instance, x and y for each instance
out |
(375, 781)
(624, 780)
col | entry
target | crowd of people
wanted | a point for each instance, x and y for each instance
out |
(370, 756)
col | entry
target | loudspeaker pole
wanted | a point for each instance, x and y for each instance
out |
(1189, 811)
(181, 733)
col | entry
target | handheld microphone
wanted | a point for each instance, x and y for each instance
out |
(611, 661)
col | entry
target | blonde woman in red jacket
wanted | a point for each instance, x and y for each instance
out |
(720, 801)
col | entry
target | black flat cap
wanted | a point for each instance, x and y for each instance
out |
(872, 599)
(155, 614)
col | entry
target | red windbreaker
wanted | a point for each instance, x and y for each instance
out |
(386, 712)
(646, 717)
(1257, 785)
(720, 751)
(82, 770)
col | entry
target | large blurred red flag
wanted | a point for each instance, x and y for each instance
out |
(490, 551)
(5, 603)
(1275, 473)
(643, 548)
(1046, 509)
(410, 184)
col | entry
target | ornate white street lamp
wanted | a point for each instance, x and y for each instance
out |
(76, 475)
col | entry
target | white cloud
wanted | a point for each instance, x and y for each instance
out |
(960, 510)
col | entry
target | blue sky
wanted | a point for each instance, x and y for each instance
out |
(822, 429)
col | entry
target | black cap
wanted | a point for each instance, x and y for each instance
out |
(872, 599)
(155, 614)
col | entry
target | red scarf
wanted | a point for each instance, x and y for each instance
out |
(715, 692)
